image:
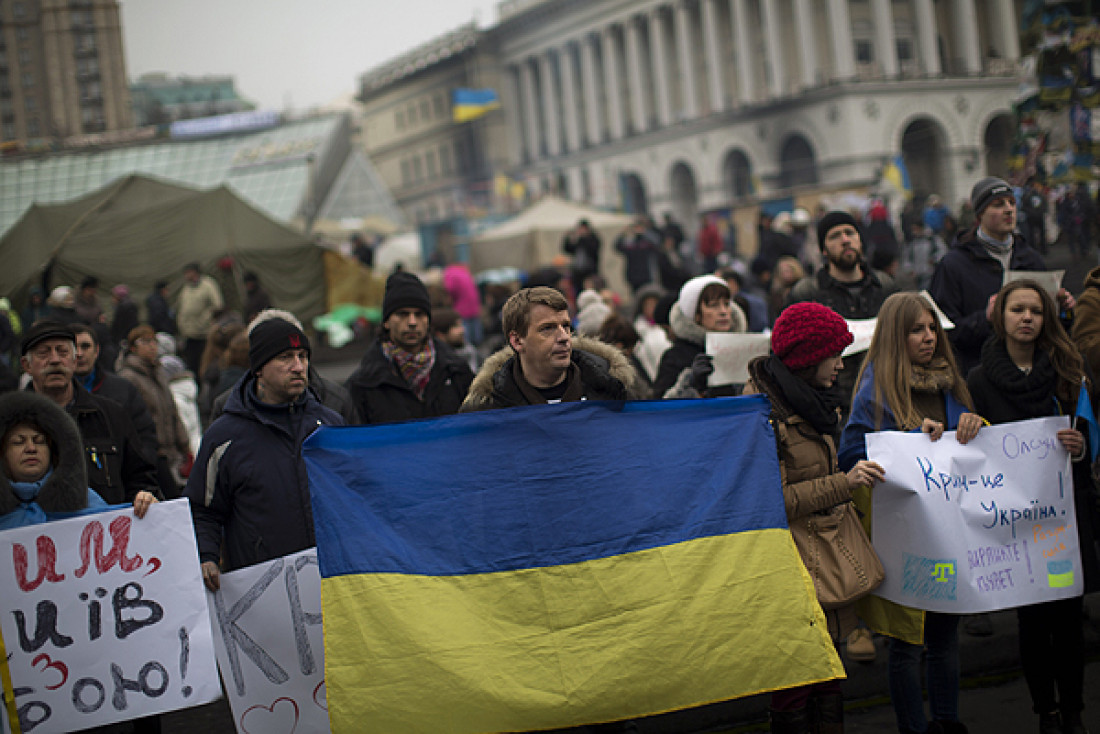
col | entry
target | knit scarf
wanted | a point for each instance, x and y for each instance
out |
(415, 367)
(28, 491)
(815, 406)
(1032, 393)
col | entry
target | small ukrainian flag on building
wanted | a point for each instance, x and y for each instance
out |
(470, 104)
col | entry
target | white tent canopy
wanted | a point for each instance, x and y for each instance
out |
(534, 237)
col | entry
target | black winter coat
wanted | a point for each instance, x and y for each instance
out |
(123, 392)
(118, 467)
(249, 481)
(962, 283)
(381, 395)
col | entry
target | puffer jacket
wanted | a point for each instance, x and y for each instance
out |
(690, 340)
(381, 395)
(605, 373)
(249, 482)
(172, 440)
(66, 489)
(812, 481)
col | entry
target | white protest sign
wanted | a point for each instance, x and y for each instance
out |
(976, 528)
(1050, 280)
(732, 354)
(270, 645)
(105, 619)
(862, 331)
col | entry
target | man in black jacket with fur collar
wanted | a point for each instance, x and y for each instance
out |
(545, 362)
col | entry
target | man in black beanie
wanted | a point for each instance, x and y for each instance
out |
(972, 272)
(846, 284)
(248, 486)
(407, 373)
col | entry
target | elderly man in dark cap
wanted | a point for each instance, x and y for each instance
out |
(970, 274)
(248, 488)
(407, 373)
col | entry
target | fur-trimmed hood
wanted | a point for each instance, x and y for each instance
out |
(685, 327)
(67, 488)
(585, 349)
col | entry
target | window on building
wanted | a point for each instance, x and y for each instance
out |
(399, 119)
(425, 110)
(438, 106)
(30, 103)
(28, 79)
(411, 114)
(865, 51)
(445, 159)
(460, 156)
(22, 33)
(9, 131)
(19, 10)
(34, 128)
(24, 57)
(905, 49)
(418, 172)
(429, 163)
(406, 173)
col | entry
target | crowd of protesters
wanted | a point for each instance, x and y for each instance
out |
(212, 404)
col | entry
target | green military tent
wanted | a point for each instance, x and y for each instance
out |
(137, 230)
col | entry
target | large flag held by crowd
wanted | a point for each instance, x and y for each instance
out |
(544, 567)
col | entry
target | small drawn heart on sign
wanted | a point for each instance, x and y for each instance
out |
(281, 717)
(320, 695)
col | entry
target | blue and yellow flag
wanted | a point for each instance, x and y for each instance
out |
(470, 104)
(551, 566)
(1088, 415)
(898, 175)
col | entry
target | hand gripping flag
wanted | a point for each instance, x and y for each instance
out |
(551, 566)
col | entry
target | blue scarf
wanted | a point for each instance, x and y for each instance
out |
(28, 491)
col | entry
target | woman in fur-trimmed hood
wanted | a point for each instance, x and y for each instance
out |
(44, 476)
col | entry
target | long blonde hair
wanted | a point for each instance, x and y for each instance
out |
(890, 356)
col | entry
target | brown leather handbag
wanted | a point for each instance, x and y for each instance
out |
(838, 554)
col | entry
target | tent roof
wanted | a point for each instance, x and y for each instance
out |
(552, 213)
(137, 230)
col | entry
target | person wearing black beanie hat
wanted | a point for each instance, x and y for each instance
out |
(407, 372)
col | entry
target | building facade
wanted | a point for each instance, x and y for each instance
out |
(160, 99)
(693, 105)
(62, 70)
(436, 168)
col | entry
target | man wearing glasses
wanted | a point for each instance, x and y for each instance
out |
(118, 470)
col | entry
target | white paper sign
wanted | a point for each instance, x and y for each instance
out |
(270, 645)
(976, 528)
(1050, 280)
(862, 331)
(732, 354)
(105, 619)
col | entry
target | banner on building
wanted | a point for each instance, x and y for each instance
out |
(976, 528)
(104, 619)
(270, 644)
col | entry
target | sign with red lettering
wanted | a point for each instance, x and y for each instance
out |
(103, 618)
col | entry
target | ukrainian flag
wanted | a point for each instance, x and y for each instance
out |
(897, 174)
(550, 566)
(470, 104)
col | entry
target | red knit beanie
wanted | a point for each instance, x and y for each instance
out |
(808, 333)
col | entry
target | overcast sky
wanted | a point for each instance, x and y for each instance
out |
(298, 52)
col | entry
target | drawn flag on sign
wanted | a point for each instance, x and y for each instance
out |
(551, 566)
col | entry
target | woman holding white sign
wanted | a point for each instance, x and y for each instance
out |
(797, 378)
(1030, 369)
(909, 381)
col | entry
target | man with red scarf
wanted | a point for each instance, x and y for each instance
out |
(407, 373)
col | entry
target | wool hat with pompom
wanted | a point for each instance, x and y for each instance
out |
(808, 333)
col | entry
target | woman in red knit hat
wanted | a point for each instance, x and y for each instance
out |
(909, 381)
(807, 341)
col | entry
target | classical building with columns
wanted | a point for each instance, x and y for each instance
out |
(691, 105)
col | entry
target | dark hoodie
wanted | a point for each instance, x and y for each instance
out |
(249, 481)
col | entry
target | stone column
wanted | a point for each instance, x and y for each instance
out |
(569, 96)
(530, 109)
(716, 85)
(968, 47)
(742, 47)
(593, 127)
(635, 62)
(685, 41)
(518, 133)
(926, 37)
(807, 44)
(773, 46)
(1005, 13)
(840, 26)
(886, 45)
(659, 47)
(613, 90)
(550, 105)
